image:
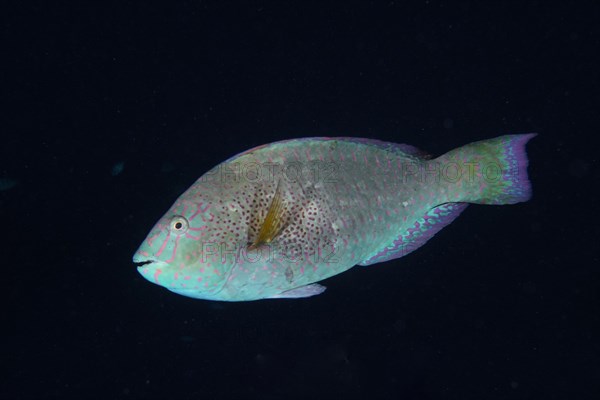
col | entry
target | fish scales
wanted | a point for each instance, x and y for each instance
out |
(276, 219)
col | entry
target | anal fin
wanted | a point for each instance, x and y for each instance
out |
(424, 229)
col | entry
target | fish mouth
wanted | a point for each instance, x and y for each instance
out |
(142, 263)
(140, 260)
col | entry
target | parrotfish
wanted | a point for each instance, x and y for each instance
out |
(274, 220)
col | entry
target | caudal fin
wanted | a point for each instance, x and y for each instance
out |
(496, 171)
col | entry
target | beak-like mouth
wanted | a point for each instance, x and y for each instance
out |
(141, 264)
(140, 260)
(149, 267)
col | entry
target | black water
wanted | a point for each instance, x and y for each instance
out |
(502, 304)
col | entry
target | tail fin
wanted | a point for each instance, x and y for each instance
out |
(496, 171)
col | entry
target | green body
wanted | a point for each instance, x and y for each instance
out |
(347, 201)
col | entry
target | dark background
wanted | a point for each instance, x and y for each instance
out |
(502, 304)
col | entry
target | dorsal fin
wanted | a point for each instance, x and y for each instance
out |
(273, 222)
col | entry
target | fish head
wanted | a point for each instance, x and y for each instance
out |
(191, 249)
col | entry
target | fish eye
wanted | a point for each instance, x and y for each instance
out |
(179, 225)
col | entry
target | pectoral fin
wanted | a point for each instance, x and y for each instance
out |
(273, 222)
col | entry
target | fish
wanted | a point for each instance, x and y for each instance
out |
(273, 221)
(7, 183)
(117, 168)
